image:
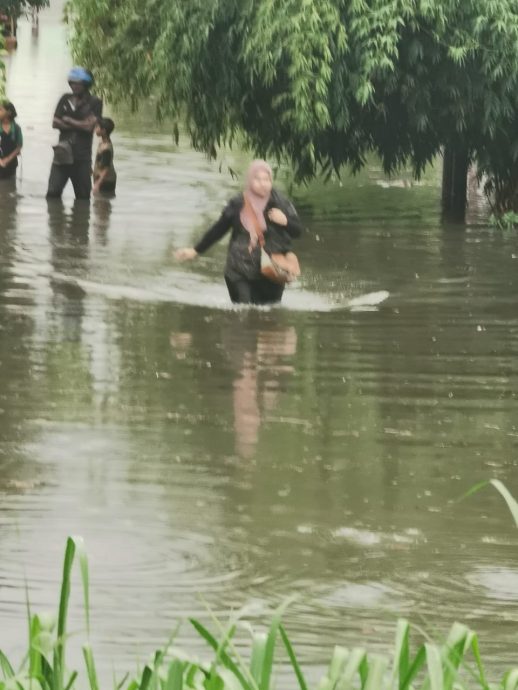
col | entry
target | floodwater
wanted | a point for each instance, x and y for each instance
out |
(225, 457)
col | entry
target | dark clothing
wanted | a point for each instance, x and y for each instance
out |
(105, 158)
(78, 173)
(80, 140)
(243, 265)
(260, 291)
(108, 187)
(9, 141)
(103, 161)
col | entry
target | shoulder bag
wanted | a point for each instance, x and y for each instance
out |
(277, 267)
(63, 154)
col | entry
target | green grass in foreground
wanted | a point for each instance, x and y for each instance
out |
(452, 665)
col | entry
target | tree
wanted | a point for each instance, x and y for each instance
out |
(320, 83)
(15, 8)
(10, 11)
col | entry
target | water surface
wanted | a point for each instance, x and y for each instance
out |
(221, 456)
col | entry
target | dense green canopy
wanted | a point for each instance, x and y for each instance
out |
(318, 82)
(14, 8)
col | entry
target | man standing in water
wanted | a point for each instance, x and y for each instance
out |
(75, 117)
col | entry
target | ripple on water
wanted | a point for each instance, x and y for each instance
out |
(223, 457)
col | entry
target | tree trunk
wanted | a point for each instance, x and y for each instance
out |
(454, 184)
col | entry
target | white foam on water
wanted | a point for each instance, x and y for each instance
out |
(192, 289)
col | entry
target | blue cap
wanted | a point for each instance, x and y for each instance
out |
(80, 74)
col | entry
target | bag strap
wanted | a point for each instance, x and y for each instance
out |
(258, 229)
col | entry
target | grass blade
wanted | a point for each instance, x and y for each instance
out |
(378, 664)
(257, 657)
(352, 667)
(34, 651)
(5, 665)
(271, 641)
(417, 664)
(512, 504)
(511, 680)
(175, 675)
(453, 653)
(433, 660)
(147, 674)
(401, 653)
(225, 658)
(337, 663)
(90, 667)
(71, 680)
(59, 651)
(230, 682)
(118, 686)
(74, 544)
(478, 660)
(293, 659)
(269, 652)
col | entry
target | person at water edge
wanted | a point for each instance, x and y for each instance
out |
(105, 177)
(259, 216)
(75, 117)
(11, 140)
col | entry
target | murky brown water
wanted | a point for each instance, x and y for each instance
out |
(239, 456)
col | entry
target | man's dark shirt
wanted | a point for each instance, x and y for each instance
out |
(81, 140)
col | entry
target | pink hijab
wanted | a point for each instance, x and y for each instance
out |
(252, 214)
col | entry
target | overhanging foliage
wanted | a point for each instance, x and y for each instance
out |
(15, 8)
(321, 83)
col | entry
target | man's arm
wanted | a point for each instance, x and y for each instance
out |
(86, 125)
(58, 123)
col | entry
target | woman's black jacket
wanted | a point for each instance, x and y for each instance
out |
(241, 262)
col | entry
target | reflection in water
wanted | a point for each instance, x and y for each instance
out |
(69, 237)
(68, 228)
(8, 201)
(257, 386)
(130, 391)
(261, 357)
(453, 253)
(180, 342)
(17, 394)
(102, 210)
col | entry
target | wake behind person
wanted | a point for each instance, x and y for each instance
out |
(262, 223)
(75, 117)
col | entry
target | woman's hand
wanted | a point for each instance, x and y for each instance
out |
(277, 216)
(185, 254)
(3, 164)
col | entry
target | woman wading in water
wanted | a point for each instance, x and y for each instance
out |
(258, 217)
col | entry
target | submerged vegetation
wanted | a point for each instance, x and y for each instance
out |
(454, 664)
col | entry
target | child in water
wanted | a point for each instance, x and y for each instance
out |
(11, 140)
(105, 177)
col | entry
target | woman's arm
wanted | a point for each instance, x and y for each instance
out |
(213, 235)
(4, 162)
